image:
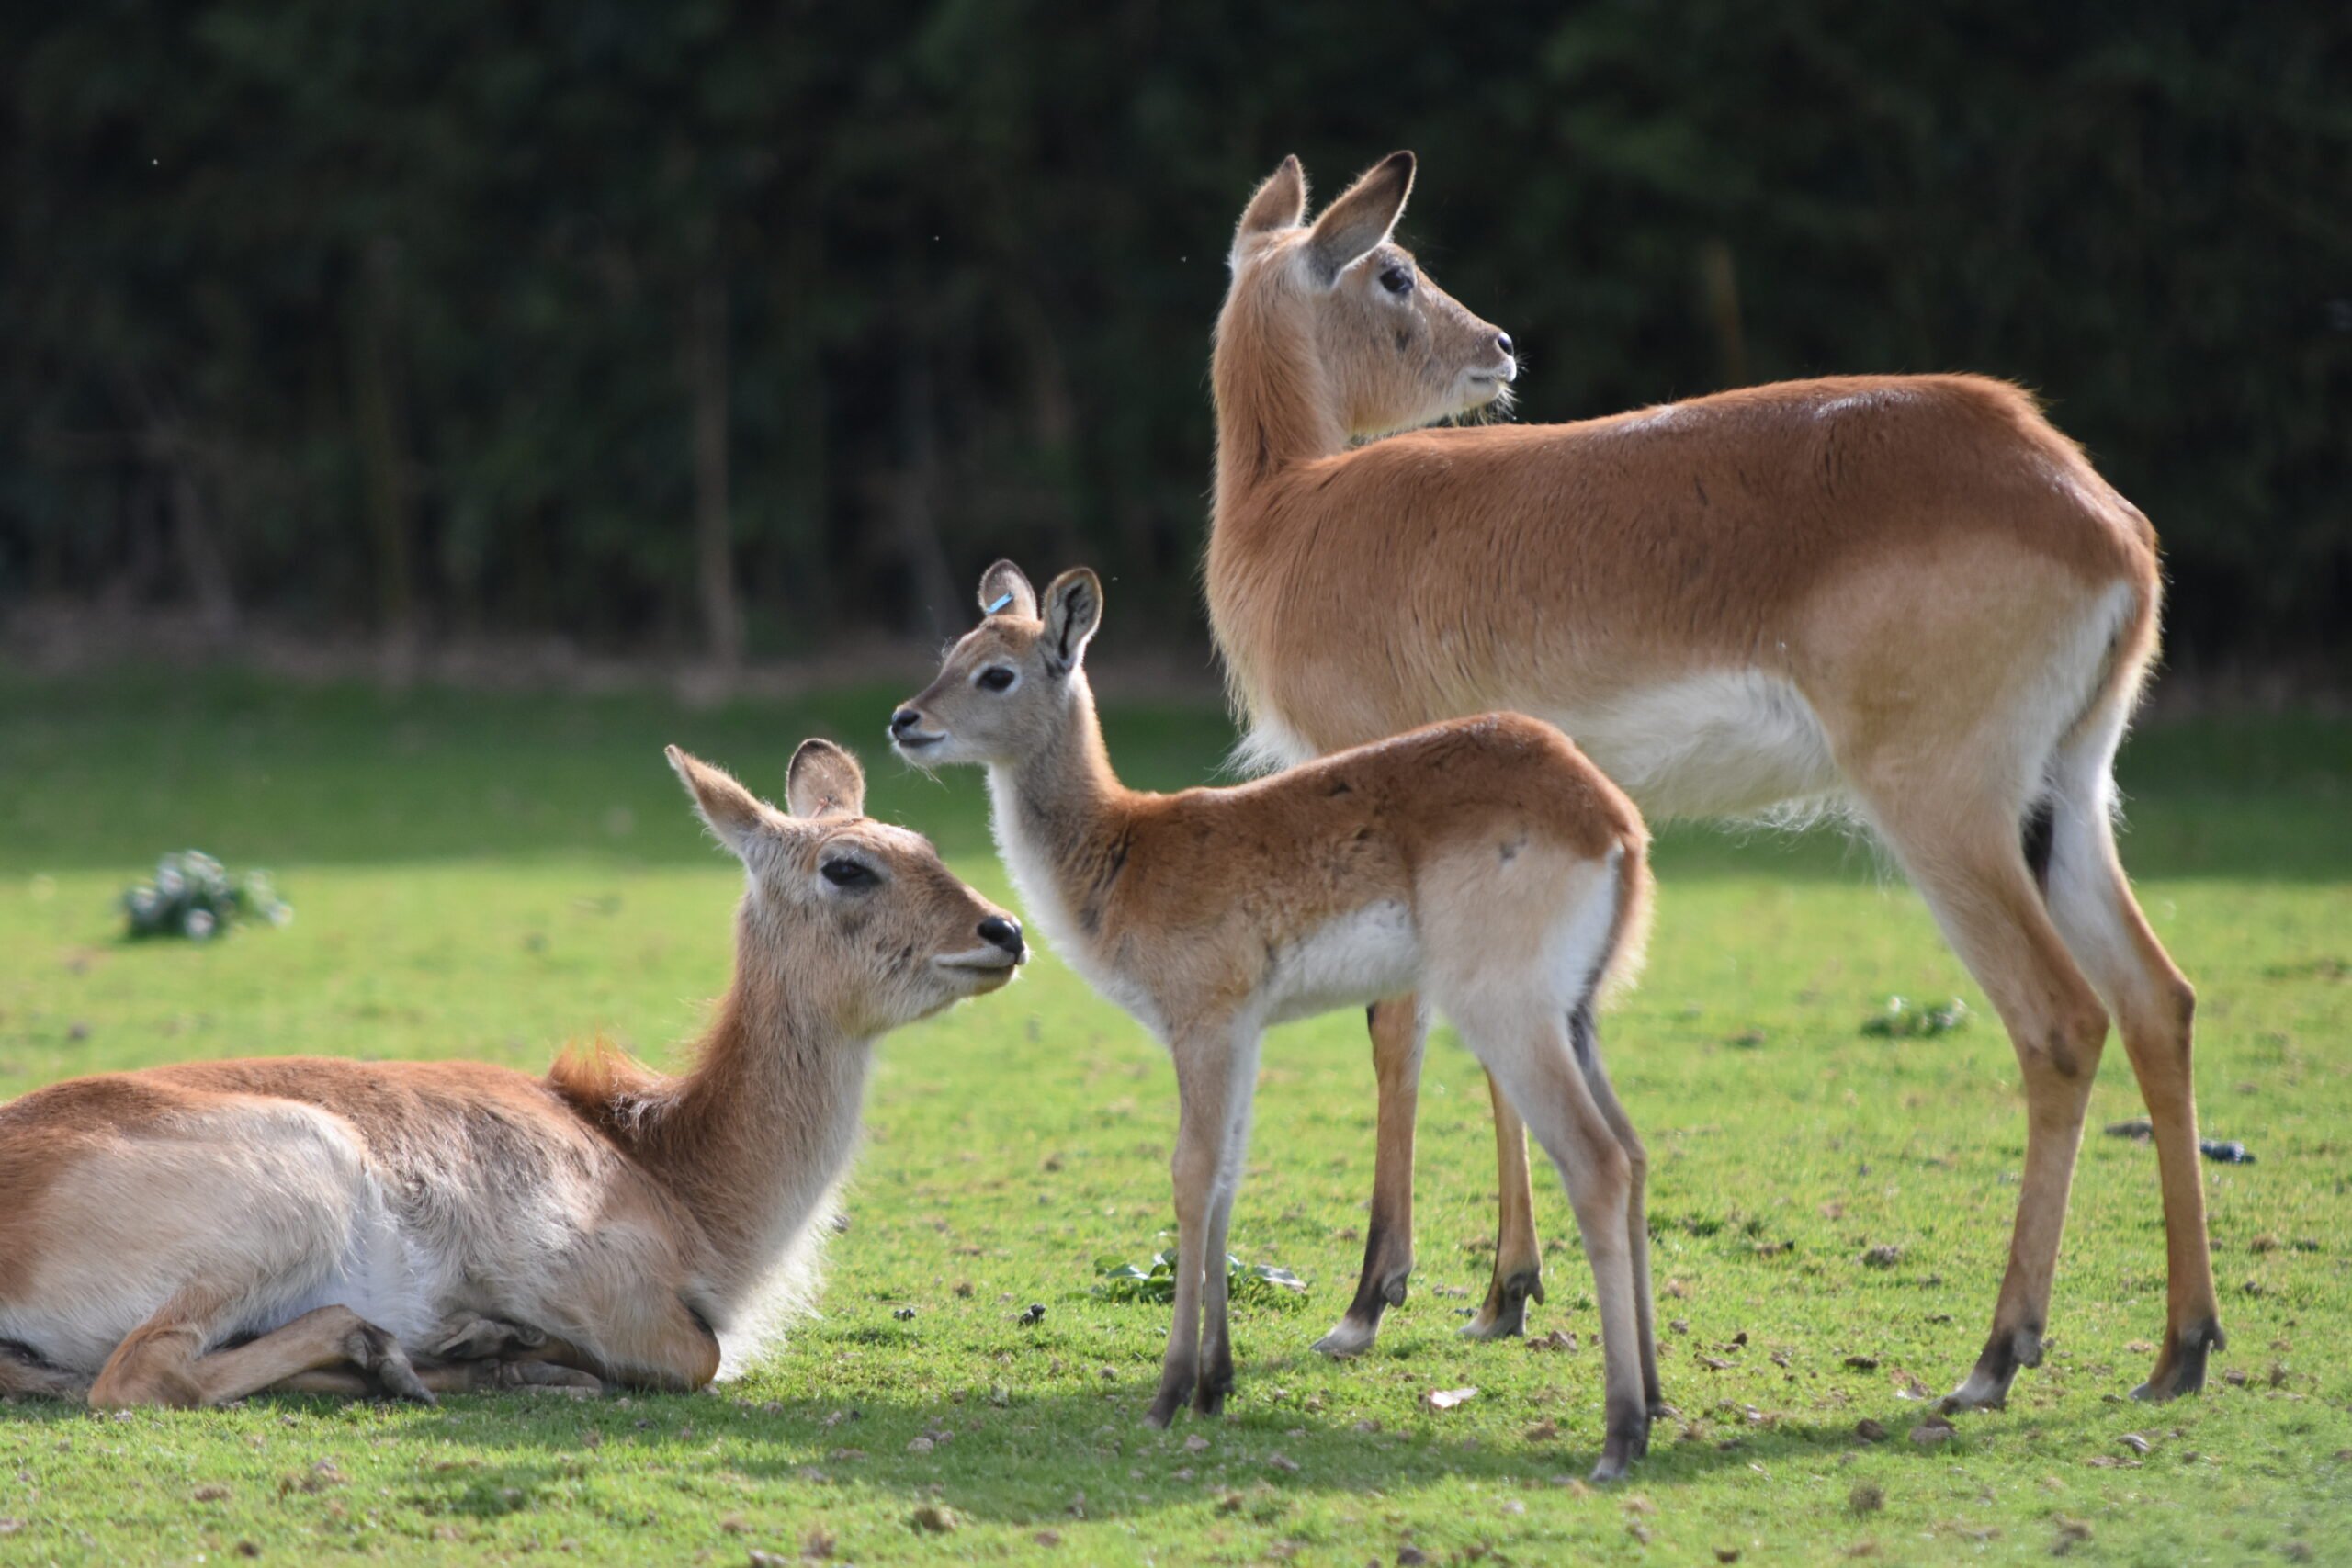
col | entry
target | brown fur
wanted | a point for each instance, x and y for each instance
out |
(607, 1222)
(1484, 856)
(1918, 571)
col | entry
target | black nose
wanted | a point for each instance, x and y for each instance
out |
(998, 931)
(1503, 342)
(904, 720)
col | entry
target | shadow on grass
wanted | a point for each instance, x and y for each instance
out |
(1037, 1461)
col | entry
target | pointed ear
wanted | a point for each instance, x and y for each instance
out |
(1073, 609)
(1005, 592)
(1364, 217)
(1279, 204)
(824, 781)
(733, 812)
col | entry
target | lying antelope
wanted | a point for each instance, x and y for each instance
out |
(1907, 596)
(1482, 862)
(188, 1235)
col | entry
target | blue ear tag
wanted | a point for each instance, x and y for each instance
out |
(999, 604)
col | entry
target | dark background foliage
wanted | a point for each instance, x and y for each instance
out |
(716, 326)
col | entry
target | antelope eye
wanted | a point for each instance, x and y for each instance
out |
(996, 678)
(845, 873)
(1397, 280)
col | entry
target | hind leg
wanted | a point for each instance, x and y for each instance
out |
(1399, 1029)
(1585, 1036)
(2091, 901)
(162, 1361)
(1530, 1059)
(473, 1354)
(1518, 1262)
(1967, 861)
(24, 1375)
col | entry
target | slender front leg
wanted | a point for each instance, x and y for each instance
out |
(1399, 1031)
(1216, 1332)
(1209, 1097)
(161, 1362)
(1518, 1262)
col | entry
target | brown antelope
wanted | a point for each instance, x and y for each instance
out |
(1906, 597)
(1482, 862)
(186, 1236)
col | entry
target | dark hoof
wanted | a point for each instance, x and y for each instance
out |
(1172, 1398)
(1505, 1315)
(470, 1337)
(2181, 1365)
(378, 1354)
(1617, 1459)
(1628, 1441)
(1209, 1401)
(1349, 1337)
(1988, 1387)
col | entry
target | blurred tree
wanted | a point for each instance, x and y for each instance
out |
(733, 327)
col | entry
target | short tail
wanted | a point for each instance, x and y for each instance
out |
(1629, 937)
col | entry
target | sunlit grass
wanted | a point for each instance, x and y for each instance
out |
(489, 876)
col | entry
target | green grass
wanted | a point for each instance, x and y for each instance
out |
(489, 876)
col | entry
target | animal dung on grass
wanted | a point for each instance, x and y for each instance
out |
(2221, 1151)
(1901, 1020)
(1932, 1432)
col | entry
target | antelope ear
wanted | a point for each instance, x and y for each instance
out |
(732, 813)
(1005, 592)
(1073, 609)
(824, 781)
(1364, 217)
(1279, 203)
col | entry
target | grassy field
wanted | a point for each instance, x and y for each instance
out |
(490, 876)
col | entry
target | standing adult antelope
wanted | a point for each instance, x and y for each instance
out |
(186, 1236)
(1483, 861)
(1906, 596)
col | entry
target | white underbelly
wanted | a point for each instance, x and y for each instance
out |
(1729, 743)
(1356, 959)
(272, 1202)
(382, 1275)
(1735, 743)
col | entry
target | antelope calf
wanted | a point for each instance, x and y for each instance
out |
(1907, 597)
(188, 1235)
(1482, 862)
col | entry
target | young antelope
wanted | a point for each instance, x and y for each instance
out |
(1483, 864)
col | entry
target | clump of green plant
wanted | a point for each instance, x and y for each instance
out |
(1901, 1020)
(1251, 1283)
(193, 895)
